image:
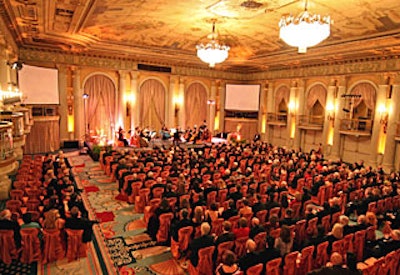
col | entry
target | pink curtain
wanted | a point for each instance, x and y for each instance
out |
(317, 93)
(282, 93)
(100, 107)
(152, 104)
(368, 95)
(195, 104)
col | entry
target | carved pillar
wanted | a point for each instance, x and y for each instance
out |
(122, 98)
(171, 108)
(134, 110)
(291, 119)
(3, 69)
(390, 146)
(270, 109)
(181, 96)
(63, 109)
(299, 111)
(262, 113)
(79, 112)
(336, 143)
(330, 121)
(222, 90)
(377, 130)
(211, 116)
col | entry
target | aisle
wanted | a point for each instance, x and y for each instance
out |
(121, 238)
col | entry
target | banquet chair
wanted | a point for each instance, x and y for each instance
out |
(255, 269)
(260, 240)
(205, 265)
(240, 246)
(75, 247)
(222, 247)
(273, 267)
(8, 250)
(30, 242)
(165, 223)
(322, 255)
(290, 267)
(52, 246)
(358, 244)
(306, 260)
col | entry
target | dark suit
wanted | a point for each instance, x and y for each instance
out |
(228, 213)
(334, 270)
(225, 237)
(248, 260)
(255, 230)
(181, 224)
(12, 225)
(81, 223)
(269, 254)
(196, 245)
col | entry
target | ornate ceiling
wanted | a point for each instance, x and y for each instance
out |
(166, 32)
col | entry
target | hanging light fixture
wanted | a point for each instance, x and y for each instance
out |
(212, 52)
(305, 30)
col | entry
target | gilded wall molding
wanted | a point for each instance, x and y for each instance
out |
(357, 66)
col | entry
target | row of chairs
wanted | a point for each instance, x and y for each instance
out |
(31, 251)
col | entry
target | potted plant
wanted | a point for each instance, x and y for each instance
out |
(95, 153)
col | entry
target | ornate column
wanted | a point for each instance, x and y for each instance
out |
(65, 109)
(336, 142)
(181, 96)
(299, 111)
(122, 98)
(211, 103)
(79, 118)
(291, 118)
(173, 80)
(270, 109)
(134, 110)
(329, 120)
(377, 129)
(262, 113)
(222, 90)
(394, 114)
(3, 69)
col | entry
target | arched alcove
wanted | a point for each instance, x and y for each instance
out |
(152, 104)
(195, 104)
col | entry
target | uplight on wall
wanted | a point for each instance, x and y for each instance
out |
(383, 112)
(330, 108)
(178, 102)
(292, 108)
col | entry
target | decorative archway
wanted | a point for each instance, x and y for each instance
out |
(282, 95)
(364, 106)
(100, 107)
(152, 104)
(195, 104)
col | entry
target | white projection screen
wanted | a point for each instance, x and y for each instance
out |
(39, 85)
(242, 97)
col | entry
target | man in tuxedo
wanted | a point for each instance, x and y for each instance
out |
(183, 222)
(76, 222)
(205, 240)
(270, 252)
(226, 235)
(6, 223)
(251, 258)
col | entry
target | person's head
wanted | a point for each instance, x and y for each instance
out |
(214, 206)
(164, 204)
(5, 214)
(344, 220)
(395, 234)
(337, 231)
(242, 222)
(232, 204)
(371, 218)
(227, 226)
(198, 213)
(255, 222)
(251, 245)
(285, 234)
(320, 230)
(184, 213)
(27, 217)
(74, 212)
(361, 219)
(270, 242)
(336, 259)
(205, 228)
(288, 213)
(228, 258)
(273, 219)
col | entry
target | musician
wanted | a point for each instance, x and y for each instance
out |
(121, 136)
(177, 136)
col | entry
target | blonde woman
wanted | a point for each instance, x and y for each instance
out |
(52, 220)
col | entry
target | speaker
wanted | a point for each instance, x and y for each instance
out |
(71, 144)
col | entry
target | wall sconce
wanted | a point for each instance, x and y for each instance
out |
(330, 108)
(384, 116)
(211, 102)
(292, 108)
(178, 101)
(70, 103)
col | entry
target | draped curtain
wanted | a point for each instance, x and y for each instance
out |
(368, 95)
(100, 107)
(317, 93)
(195, 104)
(152, 104)
(282, 93)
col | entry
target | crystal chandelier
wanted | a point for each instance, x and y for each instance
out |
(305, 30)
(212, 52)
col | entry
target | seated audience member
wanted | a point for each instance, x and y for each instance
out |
(28, 223)
(228, 265)
(251, 258)
(212, 214)
(183, 222)
(78, 222)
(285, 241)
(243, 230)
(230, 212)
(246, 209)
(6, 223)
(347, 229)
(258, 205)
(384, 246)
(288, 219)
(334, 267)
(226, 234)
(316, 239)
(76, 200)
(205, 240)
(255, 228)
(52, 220)
(270, 252)
(154, 221)
(335, 235)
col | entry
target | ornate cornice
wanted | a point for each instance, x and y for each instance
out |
(383, 64)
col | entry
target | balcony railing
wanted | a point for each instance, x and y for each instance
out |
(356, 126)
(277, 118)
(311, 121)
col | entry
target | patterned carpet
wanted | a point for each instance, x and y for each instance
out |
(121, 228)
(18, 268)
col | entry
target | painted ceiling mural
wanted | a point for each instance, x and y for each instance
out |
(167, 31)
